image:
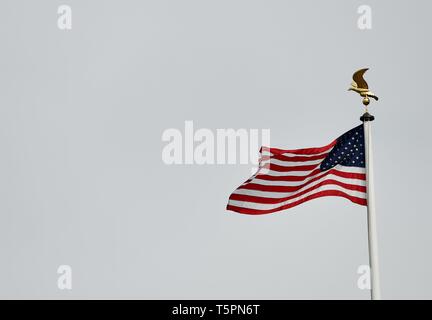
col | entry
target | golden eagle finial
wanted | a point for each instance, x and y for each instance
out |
(360, 86)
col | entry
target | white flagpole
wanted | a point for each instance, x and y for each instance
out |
(360, 86)
(371, 214)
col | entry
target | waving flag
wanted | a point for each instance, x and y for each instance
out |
(287, 178)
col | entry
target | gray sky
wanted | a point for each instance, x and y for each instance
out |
(82, 113)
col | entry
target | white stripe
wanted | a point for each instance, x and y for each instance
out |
(278, 195)
(261, 206)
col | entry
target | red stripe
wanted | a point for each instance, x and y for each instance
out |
(326, 193)
(262, 187)
(349, 175)
(278, 168)
(287, 178)
(294, 188)
(281, 157)
(258, 199)
(360, 176)
(300, 151)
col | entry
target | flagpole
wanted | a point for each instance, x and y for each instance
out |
(371, 213)
(360, 86)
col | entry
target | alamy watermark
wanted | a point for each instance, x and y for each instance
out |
(209, 147)
(364, 21)
(64, 20)
(64, 281)
(364, 281)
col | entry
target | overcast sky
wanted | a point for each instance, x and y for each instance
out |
(83, 182)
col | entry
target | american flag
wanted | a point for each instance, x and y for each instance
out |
(287, 178)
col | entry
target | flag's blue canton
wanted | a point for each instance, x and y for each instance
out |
(348, 151)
